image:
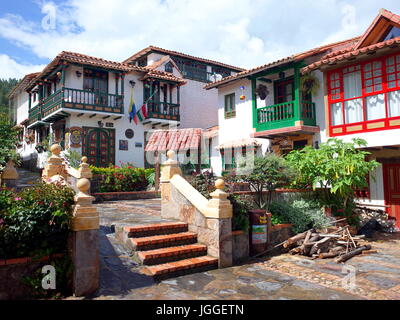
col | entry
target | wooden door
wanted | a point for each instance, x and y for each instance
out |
(391, 176)
(99, 146)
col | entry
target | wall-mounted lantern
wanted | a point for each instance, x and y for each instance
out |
(132, 83)
(78, 73)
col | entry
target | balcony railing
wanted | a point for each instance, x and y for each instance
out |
(77, 99)
(163, 110)
(285, 115)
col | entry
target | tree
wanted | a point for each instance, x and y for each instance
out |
(8, 138)
(5, 88)
(268, 173)
(335, 170)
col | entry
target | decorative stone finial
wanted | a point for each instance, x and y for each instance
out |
(55, 149)
(171, 154)
(83, 185)
(84, 159)
(220, 184)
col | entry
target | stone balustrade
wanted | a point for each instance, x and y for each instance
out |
(84, 244)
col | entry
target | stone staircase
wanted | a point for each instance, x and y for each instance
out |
(167, 249)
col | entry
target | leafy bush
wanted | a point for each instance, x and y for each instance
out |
(203, 182)
(124, 178)
(303, 215)
(240, 219)
(268, 173)
(36, 222)
(73, 158)
(9, 139)
(335, 170)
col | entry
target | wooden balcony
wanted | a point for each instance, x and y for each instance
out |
(163, 111)
(284, 115)
(76, 99)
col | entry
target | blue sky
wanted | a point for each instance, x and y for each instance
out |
(245, 33)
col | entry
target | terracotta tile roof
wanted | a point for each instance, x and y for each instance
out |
(176, 140)
(163, 76)
(83, 59)
(293, 58)
(351, 54)
(23, 83)
(211, 132)
(145, 51)
(358, 48)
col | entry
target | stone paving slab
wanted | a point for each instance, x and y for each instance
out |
(121, 279)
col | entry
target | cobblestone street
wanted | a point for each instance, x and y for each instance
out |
(273, 278)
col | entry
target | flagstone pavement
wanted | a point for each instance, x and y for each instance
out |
(282, 277)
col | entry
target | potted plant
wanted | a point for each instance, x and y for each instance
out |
(309, 84)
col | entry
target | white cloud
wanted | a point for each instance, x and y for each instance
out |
(245, 33)
(9, 68)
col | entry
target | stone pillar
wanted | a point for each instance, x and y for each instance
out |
(85, 242)
(10, 175)
(54, 164)
(220, 214)
(169, 169)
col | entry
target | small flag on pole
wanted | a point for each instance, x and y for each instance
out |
(132, 112)
(142, 112)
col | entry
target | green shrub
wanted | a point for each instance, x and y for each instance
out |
(303, 215)
(203, 182)
(37, 221)
(124, 178)
(240, 218)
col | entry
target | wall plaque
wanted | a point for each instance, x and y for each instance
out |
(123, 145)
(129, 133)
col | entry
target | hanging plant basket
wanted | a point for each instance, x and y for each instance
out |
(309, 84)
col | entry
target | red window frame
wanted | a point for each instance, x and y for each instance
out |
(370, 87)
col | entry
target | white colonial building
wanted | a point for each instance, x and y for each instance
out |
(84, 103)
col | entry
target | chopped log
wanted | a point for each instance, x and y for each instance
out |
(295, 238)
(303, 246)
(326, 255)
(351, 254)
(318, 244)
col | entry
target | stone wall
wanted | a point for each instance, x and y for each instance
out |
(240, 246)
(12, 273)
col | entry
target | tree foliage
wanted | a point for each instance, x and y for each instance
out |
(8, 138)
(5, 88)
(337, 168)
(268, 173)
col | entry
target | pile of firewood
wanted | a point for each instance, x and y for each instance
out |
(338, 243)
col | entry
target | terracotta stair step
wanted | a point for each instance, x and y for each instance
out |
(155, 229)
(163, 255)
(187, 264)
(162, 241)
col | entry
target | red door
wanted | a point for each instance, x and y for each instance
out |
(391, 175)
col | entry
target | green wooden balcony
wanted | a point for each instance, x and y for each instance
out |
(77, 99)
(163, 110)
(285, 115)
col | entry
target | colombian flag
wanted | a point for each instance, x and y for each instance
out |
(132, 112)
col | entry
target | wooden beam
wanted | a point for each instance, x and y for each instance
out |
(117, 118)
(146, 122)
(93, 115)
(391, 147)
(106, 117)
(80, 115)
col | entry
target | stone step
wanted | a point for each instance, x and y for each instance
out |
(169, 254)
(176, 268)
(155, 229)
(163, 241)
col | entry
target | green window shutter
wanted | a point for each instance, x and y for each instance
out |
(230, 108)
